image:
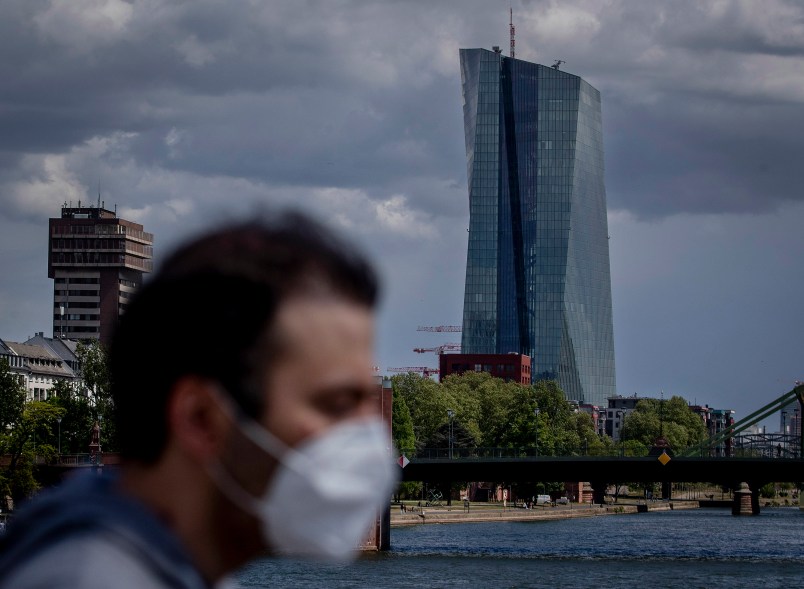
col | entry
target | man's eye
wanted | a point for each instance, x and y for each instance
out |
(339, 404)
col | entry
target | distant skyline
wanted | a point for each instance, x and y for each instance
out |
(189, 113)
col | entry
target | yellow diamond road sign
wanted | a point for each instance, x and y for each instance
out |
(664, 458)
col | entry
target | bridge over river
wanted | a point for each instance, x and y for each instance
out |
(745, 461)
(602, 471)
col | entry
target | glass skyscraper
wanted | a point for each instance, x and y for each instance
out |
(537, 271)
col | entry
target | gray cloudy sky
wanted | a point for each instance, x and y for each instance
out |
(190, 112)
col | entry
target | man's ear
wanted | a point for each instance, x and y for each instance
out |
(196, 420)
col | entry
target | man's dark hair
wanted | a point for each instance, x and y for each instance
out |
(209, 312)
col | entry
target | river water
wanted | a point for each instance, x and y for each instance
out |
(696, 548)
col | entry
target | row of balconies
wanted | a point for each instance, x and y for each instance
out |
(68, 231)
(122, 246)
(94, 259)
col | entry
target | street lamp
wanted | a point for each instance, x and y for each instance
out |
(450, 414)
(58, 419)
(536, 414)
(621, 416)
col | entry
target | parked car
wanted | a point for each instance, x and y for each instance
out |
(543, 499)
(562, 501)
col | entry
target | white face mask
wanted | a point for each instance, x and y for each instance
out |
(325, 493)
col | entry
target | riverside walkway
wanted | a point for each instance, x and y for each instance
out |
(495, 512)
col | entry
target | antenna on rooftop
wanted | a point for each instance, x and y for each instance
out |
(513, 30)
(99, 193)
(558, 63)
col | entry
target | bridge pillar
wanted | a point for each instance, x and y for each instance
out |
(587, 494)
(742, 504)
(598, 492)
(667, 490)
(446, 492)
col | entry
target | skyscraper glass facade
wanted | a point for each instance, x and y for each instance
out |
(537, 272)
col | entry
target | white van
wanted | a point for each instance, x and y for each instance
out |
(543, 499)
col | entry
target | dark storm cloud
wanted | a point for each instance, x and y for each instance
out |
(703, 162)
(702, 104)
(136, 78)
(740, 27)
(350, 94)
(311, 94)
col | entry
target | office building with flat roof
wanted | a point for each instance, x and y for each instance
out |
(96, 261)
(509, 367)
(537, 272)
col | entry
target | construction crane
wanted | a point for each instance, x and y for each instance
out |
(424, 370)
(439, 349)
(440, 328)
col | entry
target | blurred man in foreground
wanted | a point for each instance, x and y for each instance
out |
(243, 387)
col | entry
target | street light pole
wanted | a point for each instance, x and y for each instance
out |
(536, 414)
(621, 416)
(58, 419)
(450, 414)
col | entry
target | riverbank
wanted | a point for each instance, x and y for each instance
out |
(485, 512)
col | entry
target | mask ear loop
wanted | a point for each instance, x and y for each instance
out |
(259, 436)
(232, 489)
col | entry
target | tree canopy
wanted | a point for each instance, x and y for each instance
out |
(490, 412)
(672, 419)
(25, 432)
(97, 389)
(41, 429)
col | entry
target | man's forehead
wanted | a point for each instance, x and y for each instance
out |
(302, 321)
(325, 344)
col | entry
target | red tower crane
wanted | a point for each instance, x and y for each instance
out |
(439, 349)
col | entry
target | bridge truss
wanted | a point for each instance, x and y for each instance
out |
(754, 441)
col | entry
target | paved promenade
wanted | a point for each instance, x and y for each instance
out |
(495, 512)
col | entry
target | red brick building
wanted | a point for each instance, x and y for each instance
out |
(509, 367)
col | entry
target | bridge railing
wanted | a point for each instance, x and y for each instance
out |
(774, 446)
(764, 445)
(722, 438)
(67, 460)
(491, 453)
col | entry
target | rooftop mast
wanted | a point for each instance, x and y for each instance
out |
(513, 30)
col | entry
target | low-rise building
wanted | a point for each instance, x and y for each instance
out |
(509, 367)
(618, 408)
(716, 420)
(40, 363)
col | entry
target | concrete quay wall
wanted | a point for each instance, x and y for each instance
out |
(443, 515)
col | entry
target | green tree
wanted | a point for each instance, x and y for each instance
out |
(558, 431)
(26, 441)
(94, 369)
(673, 419)
(401, 423)
(404, 440)
(462, 438)
(521, 423)
(95, 375)
(591, 444)
(426, 402)
(12, 398)
(78, 419)
(480, 402)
